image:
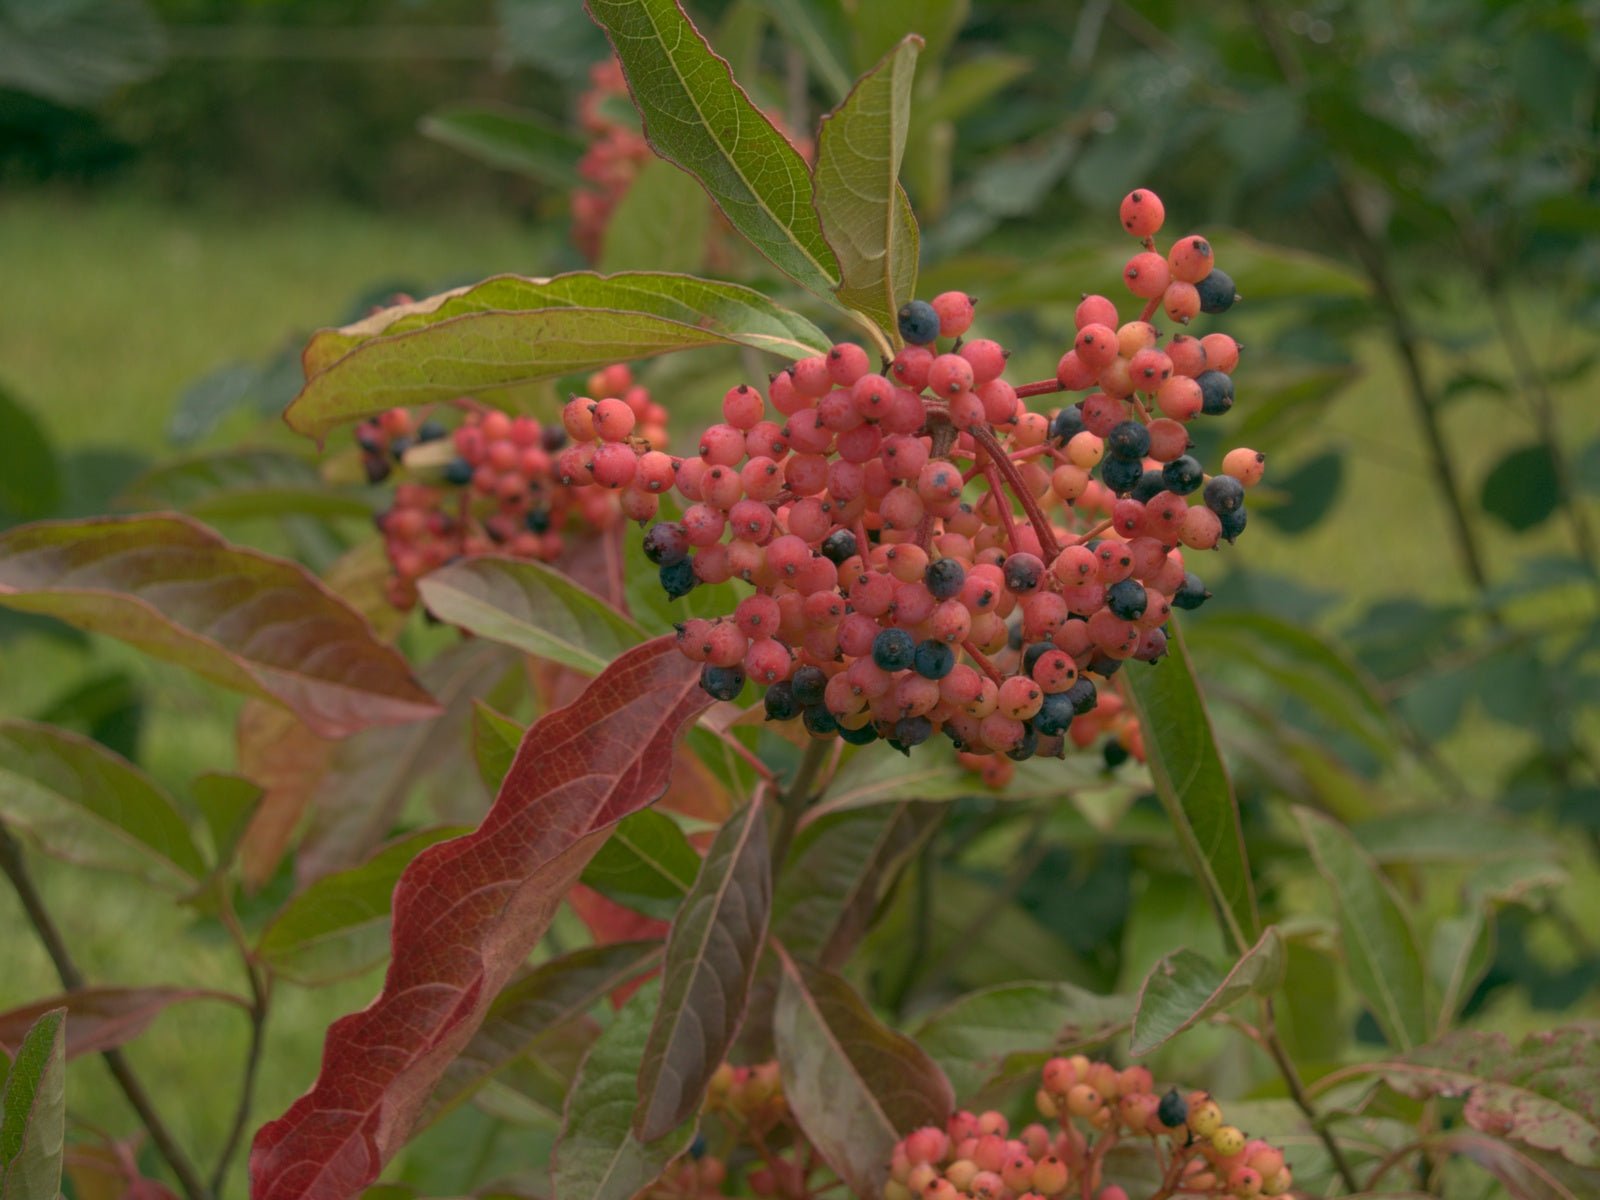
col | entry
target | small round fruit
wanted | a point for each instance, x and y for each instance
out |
(1142, 213)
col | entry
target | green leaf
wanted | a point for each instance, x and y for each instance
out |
(495, 739)
(696, 116)
(1380, 946)
(513, 139)
(881, 24)
(856, 187)
(531, 606)
(77, 801)
(1193, 786)
(546, 999)
(646, 865)
(1309, 492)
(598, 1157)
(1460, 953)
(1004, 1032)
(33, 1113)
(1521, 491)
(339, 926)
(661, 223)
(1449, 835)
(77, 52)
(244, 483)
(855, 1086)
(509, 332)
(712, 951)
(822, 32)
(30, 476)
(968, 84)
(1185, 988)
(227, 803)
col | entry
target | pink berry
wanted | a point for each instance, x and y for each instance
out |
(1142, 213)
(955, 311)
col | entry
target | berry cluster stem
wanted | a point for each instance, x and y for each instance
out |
(1040, 387)
(987, 442)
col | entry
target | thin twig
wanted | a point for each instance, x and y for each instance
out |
(984, 437)
(1273, 1044)
(260, 1006)
(792, 800)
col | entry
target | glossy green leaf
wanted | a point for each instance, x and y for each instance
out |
(661, 223)
(1006, 1031)
(537, 609)
(244, 483)
(242, 619)
(495, 739)
(696, 116)
(647, 864)
(33, 1113)
(598, 1157)
(339, 926)
(712, 951)
(1185, 988)
(821, 30)
(30, 476)
(1522, 490)
(855, 1086)
(1193, 785)
(513, 139)
(864, 211)
(1380, 946)
(506, 333)
(77, 801)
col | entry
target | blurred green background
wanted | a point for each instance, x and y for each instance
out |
(1408, 196)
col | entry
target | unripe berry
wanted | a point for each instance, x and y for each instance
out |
(1096, 346)
(927, 1145)
(1244, 1183)
(1222, 352)
(1181, 302)
(950, 375)
(1180, 398)
(1205, 1118)
(1020, 697)
(1279, 1184)
(847, 362)
(955, 312)
(1083, 1100)
(988, 359)
(1142, 213)
(1191, 258)
(576, 417)
(1073, 374)
(1245, 465)
(1227, 1140)
(613, 420)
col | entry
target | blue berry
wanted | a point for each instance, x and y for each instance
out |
(864, 736)
(1115, 754)
(1027, 747)
(894, 649)
(1216, 292)
(666, 542)
(810, 684)
(537, 520)
(430, 431)
(944, 578)
(1128, 440)
(912, 731)
(1233, 523)
(919, 323)
(1224, 494)
(722, 683)
(1183, 474)
(1192, 594)
(1055, 714)
(677, 579)
(934, 660)
(1216, 392)
(1083, 695)
(1127, 599)
(819, 721)
(1120, 474)
(1151, 484)
(780, 702)
(838, 546)
(1023, 572)
(1173, 1110)
(458, 472)
(1066, 424)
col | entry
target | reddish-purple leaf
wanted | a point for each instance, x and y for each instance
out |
(287, 762)
(467, 913)
(176, 590)
(711, 957)
(102, 1018)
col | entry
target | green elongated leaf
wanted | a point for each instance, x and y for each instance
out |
(598, 1157)
(1460, 952)
(1193, 785)
(1380, 946)
(1003, 1032)
(242, 619)
(661, 223)
(855, 1086)
(1185, 988)
(226, 803)
(513, 139)
(1449, 835)
(646, 865)
(533, 607)
(696, 116)
(30, 476)
(712, 951)
(856, 188)
(968, 84)
(547, 998)
(822, 31)
(507, 333)
(1524, 1172)
(33, 1113)
(244, 483)
(339, 926)
(495, 739)
(100, 1018)
(77, 801)
(867, 780)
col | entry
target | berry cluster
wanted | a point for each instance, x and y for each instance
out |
(501, 484)
(930, 555)
(614, 157)
(1096, 1107)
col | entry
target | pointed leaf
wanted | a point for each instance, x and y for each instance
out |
(711, 959)
(545, 999)
(864, 211)
(579, 770)
(244, 483)
(526, 604)
(79, 802)
(1193, 785)
(646, 864)
(512, 139)
(1185, 988)
(1380, 945)
(660, 224)
(101, 1018)
(696, 116)
(287, 762)
(1460, 953)
(226, 803)
(855, 1086)
(33, 1113)
(30, 474)
(1524, 1172)
(598, 1156)
(240, 618)
(822, 32)
(495, 739)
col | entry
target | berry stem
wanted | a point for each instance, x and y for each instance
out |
(1150, 307)
(982, 659)
(984, 437)
(1092, 532)
(792, 800)
(1002, 504)
(1041, 387)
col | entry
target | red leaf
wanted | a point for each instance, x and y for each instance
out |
(467, 913)
(287, 762)
(110, 1171)
(257, 624)
(101, 1018)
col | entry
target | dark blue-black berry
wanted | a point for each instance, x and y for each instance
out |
(819, 721)
(780, 701)
(919, 324)
(1115, 754)
(1216, 292)
(1129, 440)
(894, 649)
(697, 1148)
(1183, 474)
(1083, 695)
(537, 520)
(677, 579)
(458, 472)
(553, 438)
(912, 731)
(399, 446)
(1104, 665)
(1120, 474)
(933, 660)
(376, 466)
(864, 736)
(1127, 599)
(838, 546)
(1066, 424)
(666, 542)
(1191, 593)
(944, 578)
(722, 683)
(810, 685)
(1032, 655)
(430, 431)
(1173, 1110)
(1216, 392)
(369, 441)
(1054, 715)
(1233, 523)
(1151, 484)
(1223, 494)
(1027, 747)
(1023, 573)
